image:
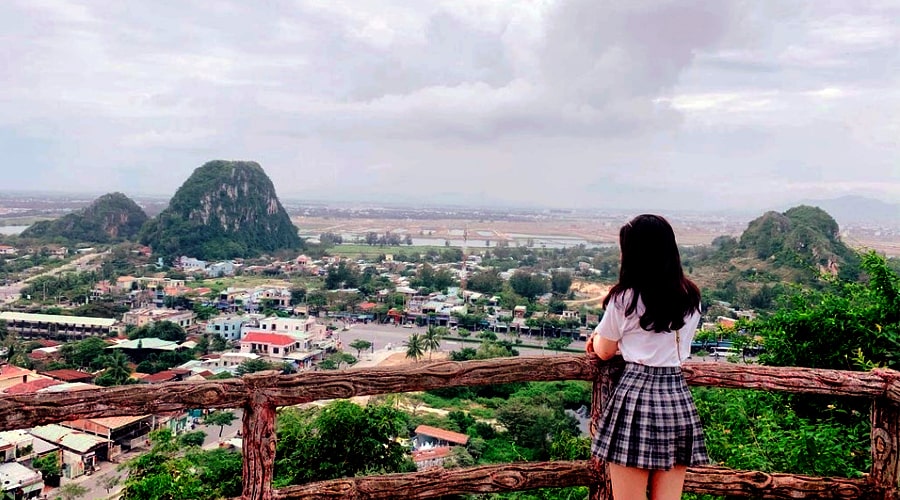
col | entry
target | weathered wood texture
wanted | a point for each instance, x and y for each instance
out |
(27, 410)
(295, 389)
(885, 446)
(518, 477)
(730, 482)
(258, 441)
(602, 392)
(439, 482)
(789, 379)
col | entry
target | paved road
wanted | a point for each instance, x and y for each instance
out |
(384, 335)
(10, 293)
(107, 469)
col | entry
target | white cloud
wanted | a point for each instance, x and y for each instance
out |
(554, 101)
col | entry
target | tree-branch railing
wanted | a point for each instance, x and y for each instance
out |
(261, 394)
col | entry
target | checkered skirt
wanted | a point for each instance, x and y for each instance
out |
(650, 422)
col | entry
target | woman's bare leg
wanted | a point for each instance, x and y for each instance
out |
(667, 484)
(628, 483)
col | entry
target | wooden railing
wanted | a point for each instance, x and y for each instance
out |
(260, 394)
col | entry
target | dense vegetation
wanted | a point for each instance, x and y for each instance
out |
(225, 209)
(110, 218)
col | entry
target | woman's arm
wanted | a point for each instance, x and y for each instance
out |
(601, 347)
(605, 348)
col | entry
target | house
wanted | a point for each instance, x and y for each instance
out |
(307, 327)
(430, 458)
(218, 363)
(190, 264)
(31, 387)
(148, 315)
(174, 375)
(20, 482)
(11, 375)
(224, 268)
(121, 433)
(80, 451)
(126, 283)
(8, 250)
(32, 325)
(272, 344)
(16, 445)
(68, 375)
(227, 327)
(431, 437)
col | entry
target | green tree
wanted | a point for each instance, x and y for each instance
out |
(528, 285)
(109, 482)
(71, 491)
(253, 366)
(313, 444)
(165, 330)
(431, 340)
(218, 344)
(298, 295)
(48, 466)
(85, 354)
(195, 438)
(560, 282)
(117, 370)
(360, 345)
(220, 418)
(415, 347)
(558, 344)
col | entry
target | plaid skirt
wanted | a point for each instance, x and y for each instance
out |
(650, 422)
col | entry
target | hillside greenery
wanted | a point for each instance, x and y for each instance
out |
(225, 209)
(110, 218)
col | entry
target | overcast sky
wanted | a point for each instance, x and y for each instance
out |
(570, 103)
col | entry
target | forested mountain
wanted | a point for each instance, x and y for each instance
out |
(225, 209)
(111, 217)
(797, 246)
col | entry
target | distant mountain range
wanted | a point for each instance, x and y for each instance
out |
(858, 210)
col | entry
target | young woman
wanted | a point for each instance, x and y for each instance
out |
(649, 431)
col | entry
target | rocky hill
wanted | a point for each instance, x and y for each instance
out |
(225, 209)
(110, 218)
(797, 246)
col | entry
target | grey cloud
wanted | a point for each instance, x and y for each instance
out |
(570, 102)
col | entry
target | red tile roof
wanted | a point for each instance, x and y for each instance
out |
(365, 306)
(31, 387)
(47, 343)
(431, 454)
(163, 376)
(443, 435)
(268, 338)
(67, 375)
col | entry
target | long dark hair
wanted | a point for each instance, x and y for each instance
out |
(651, 269)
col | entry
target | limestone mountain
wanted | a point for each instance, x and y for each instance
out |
(110, 218)
(802, 236)
(225, 209)
(795, 247)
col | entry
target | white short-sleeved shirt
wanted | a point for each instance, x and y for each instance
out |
(641, 346)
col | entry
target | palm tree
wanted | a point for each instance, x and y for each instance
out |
(415, 347)
(118, 368)
(431, 341)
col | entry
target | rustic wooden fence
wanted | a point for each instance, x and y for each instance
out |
(260, 394)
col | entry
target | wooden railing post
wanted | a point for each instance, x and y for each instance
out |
(258, 440)
(885, 449)
(602, 391)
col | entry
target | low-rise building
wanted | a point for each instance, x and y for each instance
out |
(149, 315)
(121, 433)
(33, 325)
(8, 250)
(432, 437)
(80, 451)
(20, 482)
(272, 344)
(227, 327)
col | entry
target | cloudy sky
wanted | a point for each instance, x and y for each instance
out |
(570, 103)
